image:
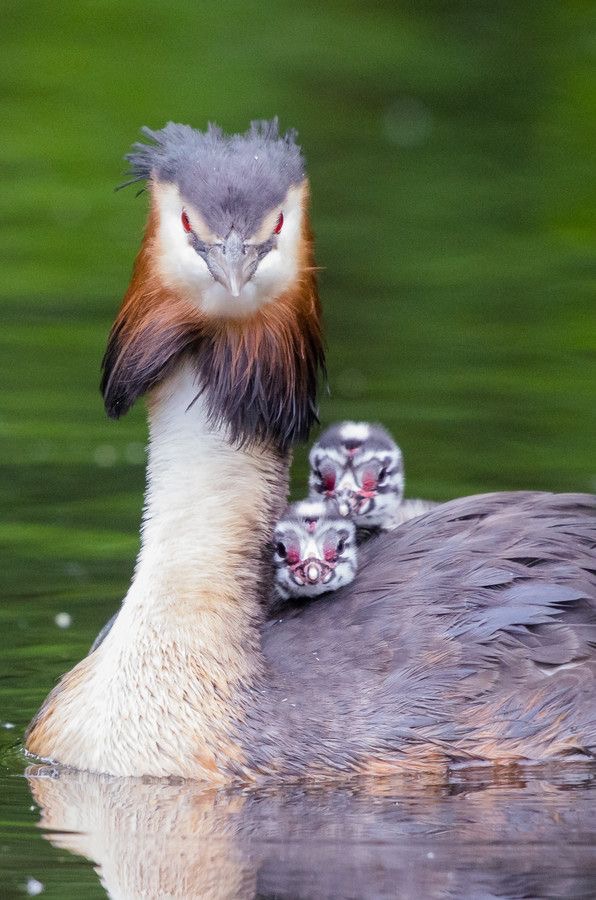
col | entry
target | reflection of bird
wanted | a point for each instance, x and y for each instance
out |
(469, 632)
(314, 550)
(158, 838)
(360, 467)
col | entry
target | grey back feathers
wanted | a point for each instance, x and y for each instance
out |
(232, 180)
(473, 626)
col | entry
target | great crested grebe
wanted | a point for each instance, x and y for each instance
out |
(314, 551)
(359, 467)
(469, 632)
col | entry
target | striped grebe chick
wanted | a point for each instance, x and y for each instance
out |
(314, 551)
(359, 467)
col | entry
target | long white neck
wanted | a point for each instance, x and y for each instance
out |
(160, 693)
(209, 507)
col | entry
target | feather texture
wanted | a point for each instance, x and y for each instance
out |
(246, 174)
(468, 633)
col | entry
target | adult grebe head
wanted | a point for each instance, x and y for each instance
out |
(226, 275)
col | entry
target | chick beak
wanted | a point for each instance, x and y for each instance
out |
(313, 572)
(344, 508)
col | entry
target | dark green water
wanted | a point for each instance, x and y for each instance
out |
(450, 148)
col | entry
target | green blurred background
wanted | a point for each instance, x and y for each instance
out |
(450, 148)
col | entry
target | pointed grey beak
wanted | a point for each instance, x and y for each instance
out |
(232, 263)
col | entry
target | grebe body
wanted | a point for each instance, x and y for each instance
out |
(469, 633)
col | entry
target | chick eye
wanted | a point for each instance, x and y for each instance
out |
(280, 549)
(383, 474)
(341, 546)
(279, 224)
(328, 481)
(369, 482)
(186, 222)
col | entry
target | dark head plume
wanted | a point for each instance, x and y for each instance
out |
(230, 179)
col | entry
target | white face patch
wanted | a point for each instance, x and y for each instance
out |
(309, 509)
(184, 270)
(355, 431)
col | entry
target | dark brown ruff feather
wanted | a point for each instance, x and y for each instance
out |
(259, 375)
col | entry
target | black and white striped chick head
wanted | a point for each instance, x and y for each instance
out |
(314, 550)
(359, 467)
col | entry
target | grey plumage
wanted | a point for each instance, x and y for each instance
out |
(469, 631)
(247, 175)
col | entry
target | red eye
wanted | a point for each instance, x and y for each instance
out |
(186, 222)
(329, 481)
(369, 482)
(279, 224)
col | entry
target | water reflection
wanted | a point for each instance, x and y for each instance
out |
(505, 834)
